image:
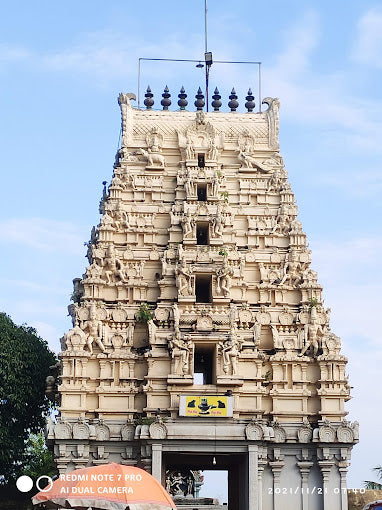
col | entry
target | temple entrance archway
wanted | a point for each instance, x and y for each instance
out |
(235, 464)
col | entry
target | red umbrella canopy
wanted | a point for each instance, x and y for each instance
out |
(107, 486)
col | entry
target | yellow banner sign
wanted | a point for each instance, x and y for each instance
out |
(214, 406)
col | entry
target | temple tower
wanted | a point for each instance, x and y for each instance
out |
(199, 336)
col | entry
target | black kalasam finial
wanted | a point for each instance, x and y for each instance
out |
(250, 104)
(149, 101)
(182, 103)
(233, 104)
(199, 103)
(166, 101)
(216, 103)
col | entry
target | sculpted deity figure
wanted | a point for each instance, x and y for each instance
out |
(180, 351)
(246, 159)
(256, 333)
(276, 180)
(217, 225)
(263, 273)
(292, 270)
(139, 268)
(180, 251)
(165, 264)
(224, 279)
(312, 331)
(183, 277)
(282, 225)
(107, 221)
(94, 330)
(230, 350)
(190, 151)
(232, 315)
(176, 317)
(188, 225)
(213, 152)
(189, 185)
(113, 265)
(215, 184)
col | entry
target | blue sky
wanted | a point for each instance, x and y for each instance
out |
(62, 66)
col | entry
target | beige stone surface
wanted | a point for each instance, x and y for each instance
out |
(265, 315)
(200, 236)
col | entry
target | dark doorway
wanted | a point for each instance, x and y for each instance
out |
(204, 366)
(201, 160)
(203, 292)
(202, 236)
(202, 192)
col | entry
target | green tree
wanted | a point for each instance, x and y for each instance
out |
(24, 365)
(369, 484)
(37, 459)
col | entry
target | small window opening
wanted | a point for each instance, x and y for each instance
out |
(201, 160)
(203, 292)
(202, 192)
(202, 233)
(204, 364)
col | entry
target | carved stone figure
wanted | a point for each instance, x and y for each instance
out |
(230, 351)
(217, 225)
(183, 277)
(213, 152)
(153, 157)
(188, 223)
(292, 270)
(224, 279)
(113, 266)
(256, 333)
(215, 184)
(176, 316)
(312, 331)
(93, 326)
(190, 151)
(189, 185)
(180, 352)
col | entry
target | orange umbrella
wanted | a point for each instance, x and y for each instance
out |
(107, 486)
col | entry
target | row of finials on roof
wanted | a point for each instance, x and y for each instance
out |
(199, 103)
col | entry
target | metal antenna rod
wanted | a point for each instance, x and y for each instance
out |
(206, 49)
(205, 26)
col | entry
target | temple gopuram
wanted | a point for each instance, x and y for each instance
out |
(199, 339)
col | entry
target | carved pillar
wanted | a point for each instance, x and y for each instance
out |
(276, 467)
(304, 467)
(156, 461)
(253, 485)
(260, 469)
(326, 466)
(343, 469)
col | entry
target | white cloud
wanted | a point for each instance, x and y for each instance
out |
(48, 333)
(349, 270)
(10, 53)
(301, 39)
(42, 234)
(109, 54)
(368, 44)
(354, 184)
